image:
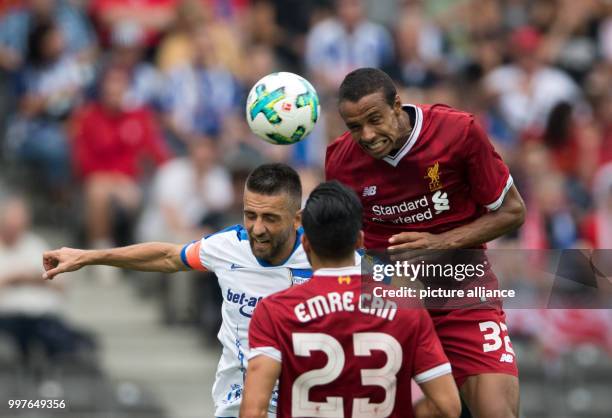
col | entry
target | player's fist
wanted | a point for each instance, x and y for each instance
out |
(61, 261)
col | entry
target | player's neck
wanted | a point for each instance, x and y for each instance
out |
(405, 130)
(318, 263)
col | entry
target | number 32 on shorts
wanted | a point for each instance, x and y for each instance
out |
(492, 334)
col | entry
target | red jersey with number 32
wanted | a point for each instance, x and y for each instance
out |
(340, 358)
(446, 175)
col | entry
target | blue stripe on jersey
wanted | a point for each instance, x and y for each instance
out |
(298, 241)
(241, 233)
(304, 273)
(184, 254)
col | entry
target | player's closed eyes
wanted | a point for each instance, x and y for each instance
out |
(271, 218)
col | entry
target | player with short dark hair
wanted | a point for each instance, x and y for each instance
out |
(275, 178)
(335, 356)
(251, 261)
(429, 178)
(333, 217)
(365, 82)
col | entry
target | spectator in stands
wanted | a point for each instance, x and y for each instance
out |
(419, 45)
(527, 89)
(127, 51)
(31, 309)
(177, 49)
(597, 228)
(343, 43)
(109, 142)
(17, 24)
(200, 95)
(154, 16)
(49, 87)
(189, 196)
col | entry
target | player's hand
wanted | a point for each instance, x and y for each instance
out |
(61, 261)
(415, 241)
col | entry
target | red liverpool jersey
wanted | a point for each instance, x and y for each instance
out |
(446, 175)
(342, 359)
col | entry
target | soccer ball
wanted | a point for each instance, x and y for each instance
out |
(282, 108)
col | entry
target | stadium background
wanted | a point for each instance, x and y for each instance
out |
(537, 73)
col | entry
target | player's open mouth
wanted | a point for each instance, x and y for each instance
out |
(377, 146)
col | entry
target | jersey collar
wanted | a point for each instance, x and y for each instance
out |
(414, 135)
(340, 271)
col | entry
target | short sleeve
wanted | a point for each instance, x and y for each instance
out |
(262, 339)
(191, 256)
(488, 175)
(430, 361)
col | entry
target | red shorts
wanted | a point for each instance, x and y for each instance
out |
(475, 341)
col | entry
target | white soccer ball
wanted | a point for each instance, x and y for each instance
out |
(282, 108)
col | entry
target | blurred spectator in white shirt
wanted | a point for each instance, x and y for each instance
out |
(30, 307)
(527, 89)
(188, 196)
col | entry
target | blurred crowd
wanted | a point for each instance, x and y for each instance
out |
(125, 121)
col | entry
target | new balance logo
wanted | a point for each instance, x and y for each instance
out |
(369, 191)
(440, 201)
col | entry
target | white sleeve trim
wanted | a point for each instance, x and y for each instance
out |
(271, 352)
(430, 374)
(497, 204)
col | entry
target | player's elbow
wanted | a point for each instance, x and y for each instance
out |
(450, 407)
(515, 210)
(520, 212)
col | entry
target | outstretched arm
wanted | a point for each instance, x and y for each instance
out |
(151, 256)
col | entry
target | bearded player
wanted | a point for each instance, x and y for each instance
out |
(336, 357)
(429, 178)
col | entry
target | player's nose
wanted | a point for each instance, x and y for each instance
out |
(368, 134)
(258, 227)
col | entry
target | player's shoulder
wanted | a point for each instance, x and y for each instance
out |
(441, 113)
(341, 152)
(340, 147)
(232, 235)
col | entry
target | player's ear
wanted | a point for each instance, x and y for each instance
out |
(397, 104)
(298, 219)
(305, 243)
(359, 243)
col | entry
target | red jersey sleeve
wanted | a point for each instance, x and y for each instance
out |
(488, 175)
(429, 359)
(262, 337)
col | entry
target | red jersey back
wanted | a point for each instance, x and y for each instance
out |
(446, 175)
(340, 359)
